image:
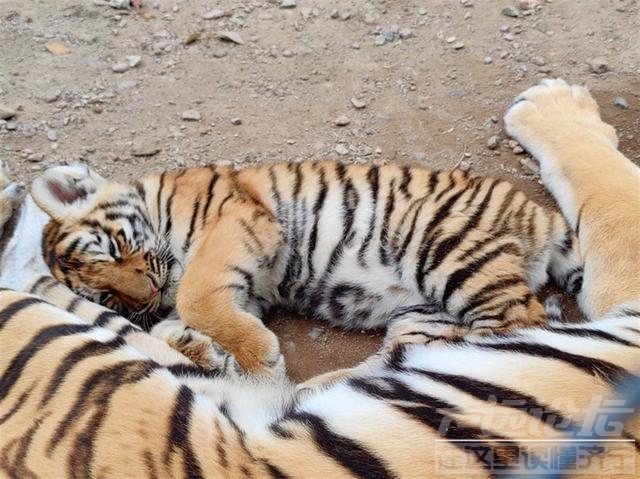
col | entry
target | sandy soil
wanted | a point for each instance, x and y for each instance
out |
(433, 93)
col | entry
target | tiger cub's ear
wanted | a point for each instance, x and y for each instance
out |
(63, 191)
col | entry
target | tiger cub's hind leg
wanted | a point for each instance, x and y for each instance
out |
(228, 279)
(487, 288)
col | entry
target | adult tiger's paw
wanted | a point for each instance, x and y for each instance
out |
(8, 195)
(553, 114)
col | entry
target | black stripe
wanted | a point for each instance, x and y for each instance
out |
(610, 372)
(450, 243)
(93, 401)
(457, 279)
(407, 239)
(105, 317)
(434, 413)
(223, 202)
(489, 292)
(210, 190)
(275, 472)
(43, 338)
(384, 228)
(317, 209)
(179, 425)
(195, 208)
(169, 224)
(16, 307)
(391, 389)
(18, 404)
(438, 217)
(491, 455)
(592, 333)
(159, 198)
(73, 305)
(192, 370)
(373, 178)
(89, 350)
(504, 397)
(347, 452)
(406, 180)
(579, 220)
(42, 280)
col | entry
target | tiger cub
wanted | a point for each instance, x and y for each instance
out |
(358, 246)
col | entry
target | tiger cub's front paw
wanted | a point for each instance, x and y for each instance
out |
(199, 348)
(260, 354)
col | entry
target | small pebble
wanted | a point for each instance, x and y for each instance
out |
(342, 120)
(35, 157)
(458, 45)
(236, 121)
(6, 112)
(488, 60)
(288, 4)
(334, 13)
(315, 333)
(358, 103)
(510, 11)
(191, 115)
(512, 144)
(598, 65)
(389, 36)
(97, 108)
(287, 53)
(341, 149)
(380, 40)
(530, 164)
(518, 150)
(192, 38)
(422, 11)
(214, 14)
(51, 95)
(450, 39)
(120, 67)
(145, 149)
(493, 143)
(51, 135)
(134, 60)
(219, 53)
(405, 33)
(538, 61)
(620, 102)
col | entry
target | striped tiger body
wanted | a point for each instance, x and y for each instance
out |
(95, 398)
(358, 246)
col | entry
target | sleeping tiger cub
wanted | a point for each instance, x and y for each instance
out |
(358, 246)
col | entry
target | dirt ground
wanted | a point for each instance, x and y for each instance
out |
(430, 81)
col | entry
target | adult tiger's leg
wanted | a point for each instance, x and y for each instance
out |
(596, 186)
(230, 276)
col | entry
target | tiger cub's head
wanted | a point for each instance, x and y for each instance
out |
(100, 241)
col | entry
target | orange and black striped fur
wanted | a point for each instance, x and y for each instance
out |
(85, 393)
(359, 246)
